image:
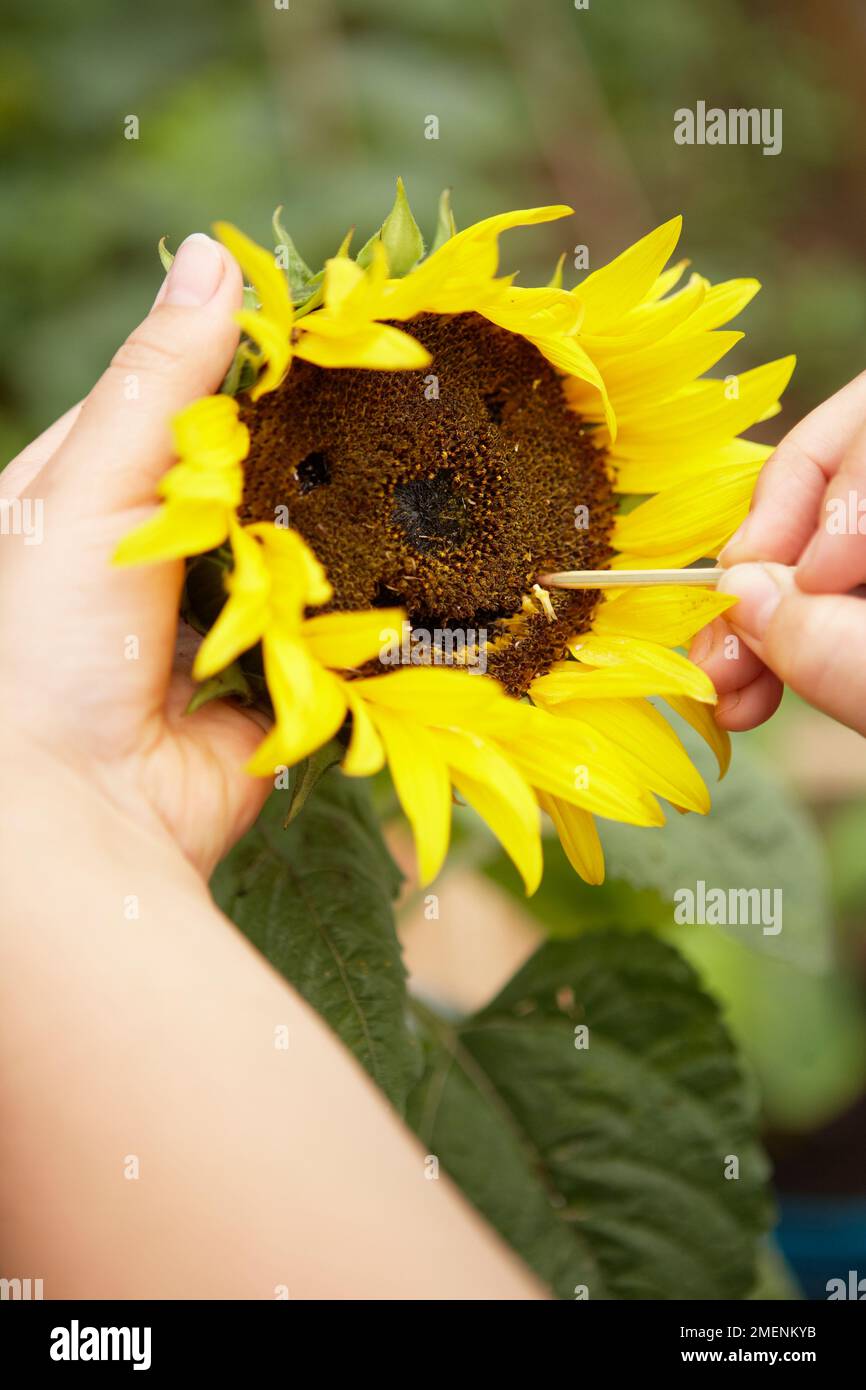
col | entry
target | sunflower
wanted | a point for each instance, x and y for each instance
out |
(404, 443)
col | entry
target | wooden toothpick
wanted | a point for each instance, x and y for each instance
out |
(615, 579)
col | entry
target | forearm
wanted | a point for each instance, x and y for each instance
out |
(150, 1040)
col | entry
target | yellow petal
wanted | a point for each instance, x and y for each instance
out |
(243, 618)
(709, 410)
(261, 269)
(246, 615)
(365, 754)
(296, 578)
(656, 372)
(674, 670)
(346, 640)
(579, 765)
(275, 349)
(435, 694)
(210, 432)
(567, 355)
(578, 837)
(667, 280)
(310, 705)
(422, 786)
(380, 347)
(667, 613)
(177, 529)
(342, 275)
(536, 312)
(702, 719)
(722, 303)
(607, 294)
(654, 752)
(458, 278)
(648, 322)
(684, 523)
(655, 468)
(501, 797)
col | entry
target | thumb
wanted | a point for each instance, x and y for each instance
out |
(120, 445)
(98, 485)
(813, 642)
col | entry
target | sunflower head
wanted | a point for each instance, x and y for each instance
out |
(404, 443)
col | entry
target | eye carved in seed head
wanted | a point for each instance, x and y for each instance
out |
(429, 511)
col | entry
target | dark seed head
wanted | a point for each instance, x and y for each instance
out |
(448, 500)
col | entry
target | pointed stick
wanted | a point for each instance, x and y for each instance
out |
(708, 577)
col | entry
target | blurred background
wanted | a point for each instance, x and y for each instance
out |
(319, 106)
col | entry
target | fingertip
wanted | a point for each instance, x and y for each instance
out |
(730, 553)
(728, 661)
(758, 589)
(752, 705)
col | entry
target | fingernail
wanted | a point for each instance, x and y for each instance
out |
(701, 646)
(195, 274)
(758, 589)
(739, 535)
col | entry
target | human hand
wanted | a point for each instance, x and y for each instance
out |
(92, 684)
(792, 565)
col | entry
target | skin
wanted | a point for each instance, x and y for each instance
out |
(146, 1032)
(798, 621)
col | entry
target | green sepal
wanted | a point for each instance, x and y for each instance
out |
(230, 682)
(400, 235)
(446, 227)
(204, 591)
(302, 280)
(555, 281)
(343, 248)
(242, 372)
(305, 775)
(165, 255)
(317, 298)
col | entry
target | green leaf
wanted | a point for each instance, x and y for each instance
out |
(400, 235)
(229, 682)
(315, 898)
(604, 1166)
(305, 776)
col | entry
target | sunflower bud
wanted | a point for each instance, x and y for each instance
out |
(400, 235)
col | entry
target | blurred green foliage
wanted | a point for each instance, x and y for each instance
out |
(320, 106)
